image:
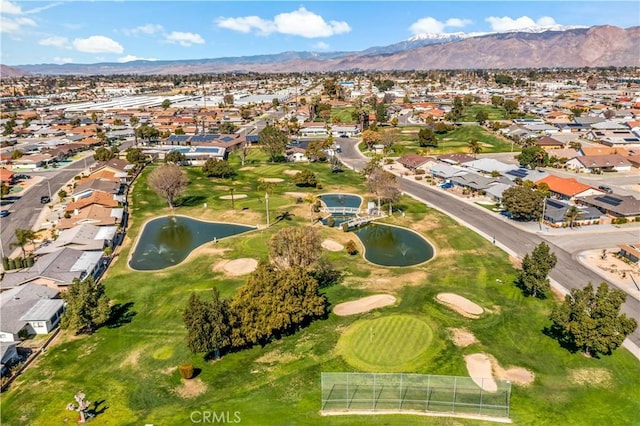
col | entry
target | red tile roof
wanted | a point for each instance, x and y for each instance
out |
(569, 186)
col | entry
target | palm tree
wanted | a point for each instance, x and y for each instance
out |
(133, 121)
(285, 215)
(474, 147)
(312, 199)
(572, 214)
(23, 237)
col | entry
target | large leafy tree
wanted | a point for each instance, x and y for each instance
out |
(147, 132)
(533, 277)
(135, 155)
(426, 138)
(88, 306)
(207, 324)
(383, 185)
(274, 303)
(295, 247)
(175, 157)
(591, 321)
(533, 156)
(103, 154)
(305, 178)
(371, 138)
(273, 141)
(523, 202)
(168, 181)
(218, 168)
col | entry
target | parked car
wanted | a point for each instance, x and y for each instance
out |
(606, 189)
(4, 213)
(21, 176)
(45, 199)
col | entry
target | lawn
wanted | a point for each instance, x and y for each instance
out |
(493, 113)
(130, 367)
(342, 114)
(454, 141)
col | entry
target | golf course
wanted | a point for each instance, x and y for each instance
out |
(128, 368)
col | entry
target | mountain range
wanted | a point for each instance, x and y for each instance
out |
(564, 47)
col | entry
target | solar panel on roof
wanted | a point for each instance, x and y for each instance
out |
(518, 173)
(226, 139)
(556, 204)
(609, 200)
(209, 138)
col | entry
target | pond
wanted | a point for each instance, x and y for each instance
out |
(345, 206)
(168, 240)
(393, 246)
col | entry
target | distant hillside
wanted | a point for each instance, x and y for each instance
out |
(575, 47)
(7, 71)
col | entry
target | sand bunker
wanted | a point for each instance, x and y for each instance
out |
(292, 172)
(483, 368)
(479, 368)
(240, 266)
(274, 180)
(332, 245)
(461, 305)
(462, 337)
(364, 305)
(246, 168)
(234, 196)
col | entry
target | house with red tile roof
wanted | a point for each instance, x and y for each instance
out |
(567, 188)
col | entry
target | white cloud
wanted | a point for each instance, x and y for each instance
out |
(97, 44)
(184, 39)
(506, 23)
(307, 24)
(433, 26)
(246, 24)
(147, 29)
(6, 7)
(321, 45)
(457, 22)
(15, 25)
(129, 58)
(55, 41)
(60, 60)
(300, 22)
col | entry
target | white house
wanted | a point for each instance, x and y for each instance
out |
(24, 301)
(590, 163)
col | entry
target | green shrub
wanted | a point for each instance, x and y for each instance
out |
(331, 222)
(186, 370)
(351, 247)
(619, 220)
(420, 171)
(418, 177)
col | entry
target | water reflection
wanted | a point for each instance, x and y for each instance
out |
(167, 241)
(393, 246)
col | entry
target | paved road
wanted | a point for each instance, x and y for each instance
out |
(25, 211)
(568, 272)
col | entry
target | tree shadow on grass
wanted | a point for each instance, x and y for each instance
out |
(564, 340)
(97, 408)
(191, 200)
(121, 314)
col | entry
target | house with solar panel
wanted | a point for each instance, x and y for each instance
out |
(199, 148)
(613, 205)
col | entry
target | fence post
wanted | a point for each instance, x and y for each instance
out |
(481, 391)
(347, 396)
(428, 392)
(455, 387)
(401, 376)
(373, 402)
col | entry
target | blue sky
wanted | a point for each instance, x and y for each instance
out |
(117, 31)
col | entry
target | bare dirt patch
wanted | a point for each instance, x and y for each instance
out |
(273, 180)
(191, 388)
(297, 194)
(234, 196)
(244, 169)
(517, 263)
(591, 376)
(237, 267)
(169, 370)
(292, 172)
(277, 356)
(479, 368)
(380, 280)
(461, 305)
(132, 359)
(365, 304)
(332, 245)
(462, 337)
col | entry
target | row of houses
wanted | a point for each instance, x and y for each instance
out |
(87, 233)
(492, 177)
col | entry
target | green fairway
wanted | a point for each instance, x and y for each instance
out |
(388, 344)
(131, 364)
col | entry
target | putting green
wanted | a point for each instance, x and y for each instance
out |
(396, 343)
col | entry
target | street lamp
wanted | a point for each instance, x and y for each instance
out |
(266, 201)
